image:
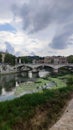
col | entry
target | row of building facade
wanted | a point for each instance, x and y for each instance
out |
(52, 60)
(47, 60)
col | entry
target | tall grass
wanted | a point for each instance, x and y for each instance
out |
(18, 113)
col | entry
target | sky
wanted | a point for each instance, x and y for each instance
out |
(36, 27)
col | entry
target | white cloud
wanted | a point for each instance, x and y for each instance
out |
(25, 45)
(39, 42)
(22, 43)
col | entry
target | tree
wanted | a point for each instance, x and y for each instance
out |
(25, 59)
(0, 58)
(10, 59)
(70, 81)
(70, 59)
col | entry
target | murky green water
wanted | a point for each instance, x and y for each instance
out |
(8, 83)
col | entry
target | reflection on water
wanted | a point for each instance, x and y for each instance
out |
(8, 83)
(43, 73)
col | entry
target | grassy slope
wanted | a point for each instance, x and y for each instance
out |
(34, 112)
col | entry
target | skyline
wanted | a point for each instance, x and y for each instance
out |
(34, 27)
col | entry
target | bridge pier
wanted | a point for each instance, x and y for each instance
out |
(20, 61)
(55, 70)
(26, 73)
(35, 74)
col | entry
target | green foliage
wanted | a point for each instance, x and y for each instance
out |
(29, 59)
(70, 59)
(0, 57)
(25, 59)
(10, 59)
(15, 114)
(23, 109)
(70, 81)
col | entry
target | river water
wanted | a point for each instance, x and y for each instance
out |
(8, 83)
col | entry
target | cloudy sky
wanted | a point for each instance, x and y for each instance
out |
(36, 27)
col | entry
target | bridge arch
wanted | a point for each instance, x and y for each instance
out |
(48, 67)
(65, 68)
(45, 67)
(23, 67)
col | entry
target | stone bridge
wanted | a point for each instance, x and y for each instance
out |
(33, 68)
(36, 67)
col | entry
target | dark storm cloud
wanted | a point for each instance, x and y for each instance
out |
(38, 15)
(62, 41)
(59, 42)
(35, 15)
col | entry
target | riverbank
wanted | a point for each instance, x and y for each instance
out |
(37, 111)
(66, 121)
(8, 72)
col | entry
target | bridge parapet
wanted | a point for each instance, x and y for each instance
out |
(35, 66)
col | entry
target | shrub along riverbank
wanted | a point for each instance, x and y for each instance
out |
(36, 111)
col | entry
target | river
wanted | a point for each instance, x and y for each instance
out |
(9, 82)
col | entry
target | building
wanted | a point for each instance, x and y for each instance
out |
(55, 60)
(48, 60)
(39, 61)
(63, 60)
(60, 60)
